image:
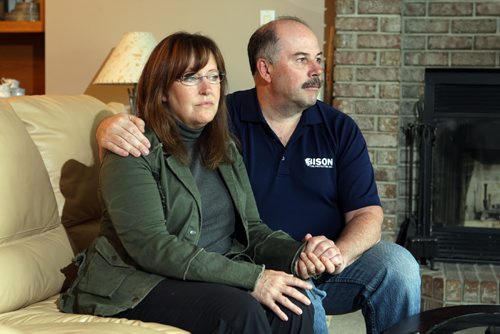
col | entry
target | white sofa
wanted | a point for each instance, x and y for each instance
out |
(49, 210)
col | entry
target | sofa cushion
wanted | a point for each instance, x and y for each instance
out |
(63, 129)
(44, 317)
(33, 244)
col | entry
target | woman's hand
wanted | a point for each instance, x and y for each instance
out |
(309, 265)
(320, 255)
(275, 287)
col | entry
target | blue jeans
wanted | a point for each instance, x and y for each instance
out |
(384, 283)
(316, 296)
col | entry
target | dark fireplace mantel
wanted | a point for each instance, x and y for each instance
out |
(458, 203)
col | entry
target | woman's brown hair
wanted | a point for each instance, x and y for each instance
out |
(168, 62)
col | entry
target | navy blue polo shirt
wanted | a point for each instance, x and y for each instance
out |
(308, 185)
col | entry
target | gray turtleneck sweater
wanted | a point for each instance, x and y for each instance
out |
(217, 209)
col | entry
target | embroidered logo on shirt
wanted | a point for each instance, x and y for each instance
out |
(319, 162)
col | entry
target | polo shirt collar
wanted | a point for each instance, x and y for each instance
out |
(253, 112)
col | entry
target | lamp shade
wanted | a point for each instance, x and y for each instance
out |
(126, 62)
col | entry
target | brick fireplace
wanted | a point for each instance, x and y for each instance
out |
(382, 48)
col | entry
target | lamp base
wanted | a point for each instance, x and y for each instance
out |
(131, 99)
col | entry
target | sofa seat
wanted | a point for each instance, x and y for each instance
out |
(45, 317)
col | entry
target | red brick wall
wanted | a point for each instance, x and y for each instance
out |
(382, 50)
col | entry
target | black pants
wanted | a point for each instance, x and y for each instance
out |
(215, 308)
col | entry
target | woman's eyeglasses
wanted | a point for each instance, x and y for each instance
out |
(193, 79)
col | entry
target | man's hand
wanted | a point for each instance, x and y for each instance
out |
(326, 251)
(274, 287)
(122, 134)
(309, 265)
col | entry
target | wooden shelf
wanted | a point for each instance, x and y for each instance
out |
(25, 26)
(21, 26)
(22, 56)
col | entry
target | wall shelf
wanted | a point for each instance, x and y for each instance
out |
(23, 52)
(21, 26)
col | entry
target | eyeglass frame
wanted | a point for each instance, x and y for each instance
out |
(220, 77)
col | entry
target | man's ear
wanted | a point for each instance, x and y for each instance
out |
(264, 68)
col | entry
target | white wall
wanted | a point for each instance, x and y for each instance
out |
(80, 35)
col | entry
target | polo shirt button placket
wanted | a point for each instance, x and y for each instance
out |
(283, 166)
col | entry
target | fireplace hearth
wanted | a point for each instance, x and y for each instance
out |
(458, 175)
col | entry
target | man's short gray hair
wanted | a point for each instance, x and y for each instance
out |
(264, 41)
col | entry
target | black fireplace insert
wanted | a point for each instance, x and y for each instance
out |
(458, 174)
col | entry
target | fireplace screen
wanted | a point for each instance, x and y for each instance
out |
(459, 169)
(466, 174)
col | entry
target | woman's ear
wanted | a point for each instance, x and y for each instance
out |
(163, 99)
(264, 68)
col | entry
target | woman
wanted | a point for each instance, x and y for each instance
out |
(181, 240)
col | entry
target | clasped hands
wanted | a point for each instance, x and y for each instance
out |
(320, 255)
(275, 288)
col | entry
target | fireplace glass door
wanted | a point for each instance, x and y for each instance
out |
(459, 192)
(466, 173)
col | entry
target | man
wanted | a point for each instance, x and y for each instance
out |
(311, 175)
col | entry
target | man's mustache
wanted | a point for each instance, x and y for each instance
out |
(314, 82)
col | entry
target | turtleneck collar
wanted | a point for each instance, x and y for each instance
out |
(188, 134)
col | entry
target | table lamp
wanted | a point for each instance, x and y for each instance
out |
(126, 62)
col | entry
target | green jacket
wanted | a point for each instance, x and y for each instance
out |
(151, 227)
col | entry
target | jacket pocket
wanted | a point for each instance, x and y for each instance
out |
(104, 271)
